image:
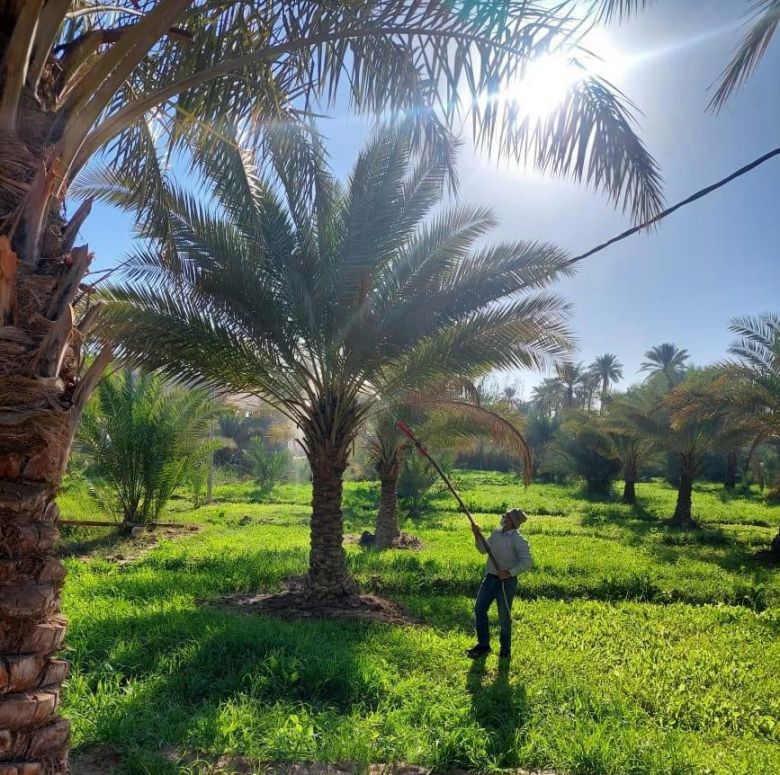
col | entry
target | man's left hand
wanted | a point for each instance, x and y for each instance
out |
(504, 575)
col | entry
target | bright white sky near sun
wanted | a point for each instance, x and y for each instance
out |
(713, 260)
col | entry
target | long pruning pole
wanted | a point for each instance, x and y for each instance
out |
(407, 431)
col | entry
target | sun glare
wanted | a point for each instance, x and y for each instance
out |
(548, 79)
(544, 86)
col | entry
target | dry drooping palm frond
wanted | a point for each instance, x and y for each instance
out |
(750, 51)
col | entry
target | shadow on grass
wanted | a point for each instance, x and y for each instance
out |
(206, 679)
(498, 706)
(76, 541)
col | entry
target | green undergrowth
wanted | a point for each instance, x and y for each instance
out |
(638, 649)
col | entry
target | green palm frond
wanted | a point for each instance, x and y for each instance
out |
(592, 138)
(432, 62)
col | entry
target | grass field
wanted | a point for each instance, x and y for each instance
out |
(638, 649)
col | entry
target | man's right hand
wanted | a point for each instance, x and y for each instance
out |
(477, 532)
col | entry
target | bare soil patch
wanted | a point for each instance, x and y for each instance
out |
(293, 603)
(366, 539)
(123, 550)
(98, 760)
(104, 760)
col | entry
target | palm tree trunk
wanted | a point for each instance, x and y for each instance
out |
(41, 399)
(42, 395)
(328, 577)
(730, 476)
(386, 530)
(629, 492)
(682, 510)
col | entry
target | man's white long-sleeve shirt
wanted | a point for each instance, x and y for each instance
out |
(510, 549)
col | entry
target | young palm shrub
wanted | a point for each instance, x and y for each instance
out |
(143, 439)
(324, 304)
(581, 448)
(630, 445)
(446, 423)
(268, 466)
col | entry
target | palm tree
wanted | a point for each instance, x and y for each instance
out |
(547, 397)
(630, 444)
(742, 396)
(609, 370)
(446, 420)
(132, 77)
(656, 412)
(323, 305)
(143, 438)
(666, 359)
(571, 375)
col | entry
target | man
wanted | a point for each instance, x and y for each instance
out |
(513, 556)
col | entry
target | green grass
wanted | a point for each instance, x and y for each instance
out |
(639, 649)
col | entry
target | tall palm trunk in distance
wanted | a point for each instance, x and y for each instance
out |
(386, 530)
(42, 394)
(730, 474)
(682, 510)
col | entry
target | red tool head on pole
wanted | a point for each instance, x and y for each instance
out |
(407, 431)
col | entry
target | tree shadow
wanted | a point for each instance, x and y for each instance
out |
(499, 706)
(168, 678)
(73, 540)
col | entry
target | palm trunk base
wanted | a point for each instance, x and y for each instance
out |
(682, 511)
(320, 587)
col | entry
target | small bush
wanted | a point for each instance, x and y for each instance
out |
(269, 467)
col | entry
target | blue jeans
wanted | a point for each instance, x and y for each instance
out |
(490, 590)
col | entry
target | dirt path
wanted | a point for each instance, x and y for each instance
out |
(103, 760)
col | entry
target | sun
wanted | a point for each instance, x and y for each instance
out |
(549, 78)
(545, 85)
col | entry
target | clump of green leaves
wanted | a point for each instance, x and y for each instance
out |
(269, 467)
(416, 482)
(143, 439)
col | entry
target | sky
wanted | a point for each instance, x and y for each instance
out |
(683, 282)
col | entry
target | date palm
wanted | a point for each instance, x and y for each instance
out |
(322, 305)
(446, 420)
(666, 359)
(133, 76)
(742, 396)
(143, 439)
(571, 376)
(609, 370)
(547, 396)
(628, 414)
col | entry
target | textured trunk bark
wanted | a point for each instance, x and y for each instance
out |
(328, 577)
(730, 474)
(629, 491)
(42, 394)
(387, 515)
(682, 511)
(39, 414)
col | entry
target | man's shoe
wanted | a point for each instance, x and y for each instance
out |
(478, 651)
(504, 654)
